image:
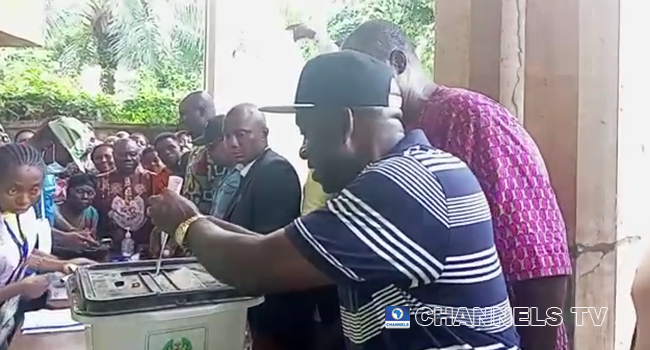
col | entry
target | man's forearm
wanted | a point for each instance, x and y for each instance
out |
(231, 227)
(232, 257)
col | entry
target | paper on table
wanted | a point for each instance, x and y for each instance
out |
(50, 321)
(58, 293)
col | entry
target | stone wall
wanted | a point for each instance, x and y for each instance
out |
(101, 129)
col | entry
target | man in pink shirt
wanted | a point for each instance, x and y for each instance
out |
(530, 234)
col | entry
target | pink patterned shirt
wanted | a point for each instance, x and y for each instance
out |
(530, 234)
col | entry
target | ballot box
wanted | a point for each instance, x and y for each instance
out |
(128, 306)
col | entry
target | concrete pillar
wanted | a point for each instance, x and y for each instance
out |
(210, 53)
(479, 46)
(578, 71)
(584, 106)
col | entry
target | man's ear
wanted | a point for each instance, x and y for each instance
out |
(398, 61)
(348, 125)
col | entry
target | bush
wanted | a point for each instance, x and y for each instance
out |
(148, 109)
(32, 88)
(41, 105)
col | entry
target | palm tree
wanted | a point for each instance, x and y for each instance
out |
(156, 35)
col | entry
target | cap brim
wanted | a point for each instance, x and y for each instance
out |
(200, 141)
(287, 109)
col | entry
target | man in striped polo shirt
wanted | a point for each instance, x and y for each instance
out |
(408, 226)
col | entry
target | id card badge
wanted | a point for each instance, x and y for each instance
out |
(44, 230)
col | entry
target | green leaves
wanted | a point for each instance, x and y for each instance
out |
(147, 35)
(415, 17)
(33, 87)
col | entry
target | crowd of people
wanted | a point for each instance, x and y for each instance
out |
(417, 195)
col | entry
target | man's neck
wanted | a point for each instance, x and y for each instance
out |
(257, 155)
(125, 172)
(388, 137)
(245, 167)
(416, 98)
(198, 133)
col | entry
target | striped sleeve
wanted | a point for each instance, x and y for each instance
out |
(361, 235)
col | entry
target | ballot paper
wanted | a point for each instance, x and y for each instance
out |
(58, 293)
(58, 290)
(50, 321)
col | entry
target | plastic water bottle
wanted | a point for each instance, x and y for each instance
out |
(128, 245)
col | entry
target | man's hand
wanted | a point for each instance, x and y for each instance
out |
(169, 209)
(302, 31)
(154, 245)
(79, 238)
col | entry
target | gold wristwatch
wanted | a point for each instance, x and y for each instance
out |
(181, 230)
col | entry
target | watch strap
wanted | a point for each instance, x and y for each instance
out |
(181, 231)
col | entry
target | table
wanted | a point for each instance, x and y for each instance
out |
(52, 341)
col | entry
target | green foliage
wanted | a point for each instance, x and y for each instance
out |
(415, 17)
(162, 42)
(149, 108)
(32, 87)
(137, 34)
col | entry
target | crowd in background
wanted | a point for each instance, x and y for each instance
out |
(417, 195)
(95, 192)
(365, 232)
(99, 188)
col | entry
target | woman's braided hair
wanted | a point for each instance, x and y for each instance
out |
(13, 155)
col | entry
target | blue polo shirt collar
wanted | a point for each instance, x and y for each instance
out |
(412, 138)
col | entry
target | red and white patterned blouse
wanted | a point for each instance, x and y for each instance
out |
(530, 234)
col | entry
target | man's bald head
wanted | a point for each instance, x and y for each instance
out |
(125, 142)
(195, 109)
(245, 132)
(127, 155)
(386, 42)
(379, 39)
(250, 112)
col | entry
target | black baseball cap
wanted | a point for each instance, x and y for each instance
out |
(213, 131)
(343, 79)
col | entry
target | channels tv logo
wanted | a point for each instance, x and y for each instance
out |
(397, 317)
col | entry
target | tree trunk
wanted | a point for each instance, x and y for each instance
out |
(107, 80)
(105, 42)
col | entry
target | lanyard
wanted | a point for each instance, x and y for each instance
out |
(23, 247)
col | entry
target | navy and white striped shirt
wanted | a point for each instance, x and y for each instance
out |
(413, 229)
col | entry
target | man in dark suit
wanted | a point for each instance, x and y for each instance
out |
(268, 198)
